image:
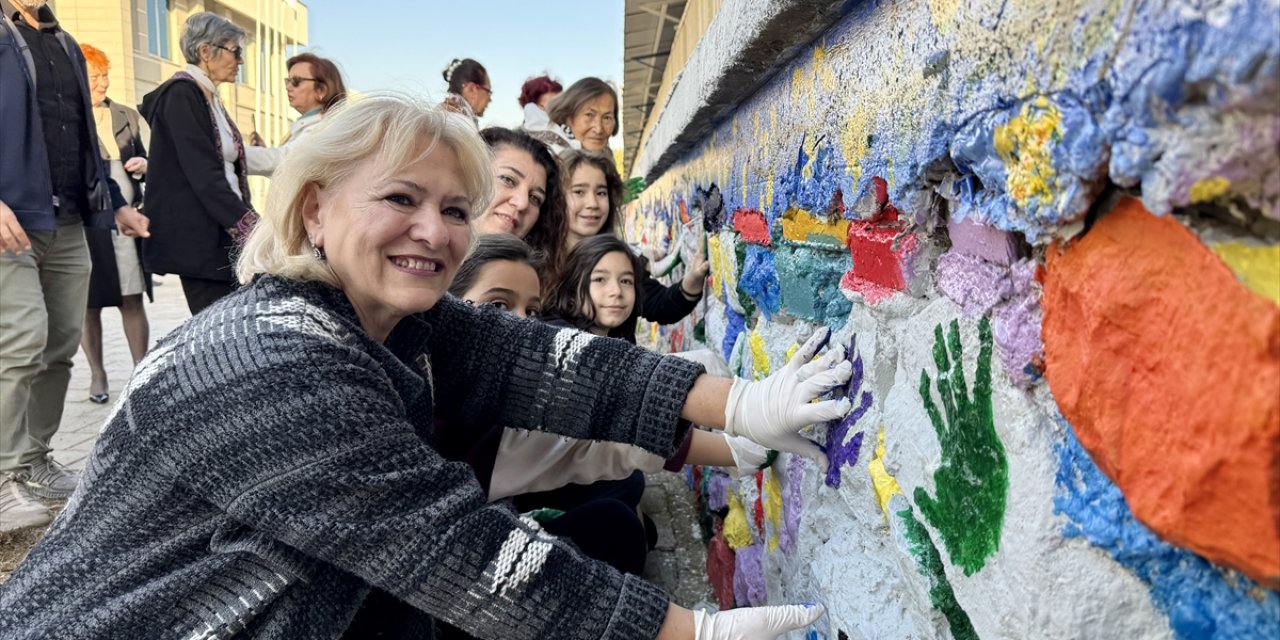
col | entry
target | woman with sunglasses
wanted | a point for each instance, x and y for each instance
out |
(197, 179)
(314, 86)
(469, 88)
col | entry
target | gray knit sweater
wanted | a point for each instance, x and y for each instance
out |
(268, 464)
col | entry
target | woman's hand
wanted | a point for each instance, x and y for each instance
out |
(136, 165)
(755, 623)
(131, 223)
(771, 411)
(695, 274)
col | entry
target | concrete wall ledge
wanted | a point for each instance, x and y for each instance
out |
(747, 43)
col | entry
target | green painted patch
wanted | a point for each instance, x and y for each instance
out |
(941, 595)
(973, 479)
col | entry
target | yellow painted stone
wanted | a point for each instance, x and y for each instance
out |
(773, 505)
(795, 346)
(759, 356)
(736, 531)
(717, 266)
(1207, 189)
(1025, 144)
(1257, 267)
(799, 225)
(885, 485)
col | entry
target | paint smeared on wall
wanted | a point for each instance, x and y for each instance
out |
(936, 194)
(973, 478)
(1257, 267)
(839, 452)
(885, 485)
(1201, 600)
(1141, 320)
(929, 561)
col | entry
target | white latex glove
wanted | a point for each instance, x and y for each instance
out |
(755, 623)
(748, 456)
(771, 411)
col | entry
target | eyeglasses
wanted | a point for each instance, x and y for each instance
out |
(238, 52)
(483, 88)
(294, 81)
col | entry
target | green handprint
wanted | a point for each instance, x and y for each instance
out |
(973, 479)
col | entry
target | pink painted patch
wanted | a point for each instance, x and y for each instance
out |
(752, 226)
(978, 240)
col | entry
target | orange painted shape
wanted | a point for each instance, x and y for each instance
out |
(1169, 371)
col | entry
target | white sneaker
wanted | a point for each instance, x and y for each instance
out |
(18, 510)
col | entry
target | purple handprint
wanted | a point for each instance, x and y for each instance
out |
(840, 453)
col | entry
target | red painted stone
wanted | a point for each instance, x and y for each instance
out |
(752, 226)
(878, 267)
(1169, 371)
(881, 190)
(720, 567)
(759, 506)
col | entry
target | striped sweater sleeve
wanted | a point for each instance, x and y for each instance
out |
(308, 443)
(492, 368)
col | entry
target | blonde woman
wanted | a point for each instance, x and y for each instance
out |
(269, 469)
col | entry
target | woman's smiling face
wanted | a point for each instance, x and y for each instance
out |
(519, 190)
(394, 240)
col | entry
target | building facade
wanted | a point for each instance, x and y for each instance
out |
(141, 38)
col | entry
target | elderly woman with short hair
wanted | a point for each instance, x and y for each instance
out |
(197, 184)
(269, 469)
(585, 116)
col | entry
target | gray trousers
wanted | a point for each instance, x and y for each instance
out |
(43, 293)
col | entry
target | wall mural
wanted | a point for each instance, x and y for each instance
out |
(1049, 233)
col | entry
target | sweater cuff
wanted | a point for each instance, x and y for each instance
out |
(641, 610)
(676, 462)
(661, 430)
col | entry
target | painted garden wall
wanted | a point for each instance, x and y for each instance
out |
(1049, 233)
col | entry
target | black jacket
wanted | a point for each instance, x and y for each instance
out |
(190, 204)
(25, 183)
(664, 304)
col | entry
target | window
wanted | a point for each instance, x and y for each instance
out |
(158, 27)
(151, 27)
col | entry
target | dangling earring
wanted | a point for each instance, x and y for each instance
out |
(316, 252)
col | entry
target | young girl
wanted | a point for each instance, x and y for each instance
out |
(592, 482)
(593, 195)
(598, 292)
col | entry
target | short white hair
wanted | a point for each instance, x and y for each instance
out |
(208, 28)
(390, 129)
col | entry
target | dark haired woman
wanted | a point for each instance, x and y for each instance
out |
(528, 201)
(314, 86)
(587, 114)
(469, 88)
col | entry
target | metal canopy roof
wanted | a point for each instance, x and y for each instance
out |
(650, 28)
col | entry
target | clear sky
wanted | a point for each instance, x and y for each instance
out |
(405, 45)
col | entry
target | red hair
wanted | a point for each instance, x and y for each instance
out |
(535, 88)
(97, 60)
